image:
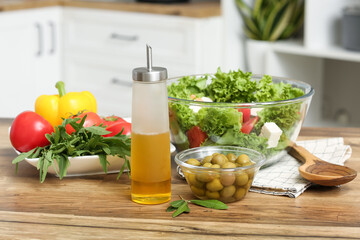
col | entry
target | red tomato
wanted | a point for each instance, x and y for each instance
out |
(249, 125)
(196, 137)
(110, 120)
(91, 120)
(28, 131)
(117, 127)
(246, 113)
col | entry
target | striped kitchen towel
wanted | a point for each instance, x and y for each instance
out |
(283, 178)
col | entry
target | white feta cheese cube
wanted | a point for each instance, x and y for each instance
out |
(254, 111)
(272, 132)
(197, 108)
(206, 99)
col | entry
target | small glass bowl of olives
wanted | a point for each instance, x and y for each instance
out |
(224, 173)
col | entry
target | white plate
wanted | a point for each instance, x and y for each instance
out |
(87, 165)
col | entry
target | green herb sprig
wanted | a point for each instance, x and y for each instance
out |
(181, 206)
(84, 141)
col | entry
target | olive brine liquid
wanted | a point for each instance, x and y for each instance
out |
(150, 168)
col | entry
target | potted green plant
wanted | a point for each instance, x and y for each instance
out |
(266, 21)
(271, 20)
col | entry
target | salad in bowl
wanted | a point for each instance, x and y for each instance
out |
(259, 112)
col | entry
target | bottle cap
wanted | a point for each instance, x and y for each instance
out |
(149, 73)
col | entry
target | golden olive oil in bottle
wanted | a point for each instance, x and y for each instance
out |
(150, 138)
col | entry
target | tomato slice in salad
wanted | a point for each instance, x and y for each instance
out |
(246, 113)
(249, 125)
(196, 137)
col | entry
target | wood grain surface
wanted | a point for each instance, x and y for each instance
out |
(98, 207)
(192, 9)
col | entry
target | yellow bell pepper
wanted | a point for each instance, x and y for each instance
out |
(55, 107)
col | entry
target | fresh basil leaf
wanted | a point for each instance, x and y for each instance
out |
(183, 208)
(170, 209)
(56, 135)
(215, 204)
(37, 152)
(177, 203)
(121, 172)
(103, 162)
(49, 138)
(44, 170)
(63, 165)
(23, 155)
(97, 130)
(106, 149)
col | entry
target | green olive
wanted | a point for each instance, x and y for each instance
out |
(228, 165)
(193, 181)
(227, 179)
(219, 159)
(248, 185)
(214, 185)
(207, 164)
(197, 191)
(215, 166)
(231, 157)
(240, 193)
(206, 159)
(212, 195)
(251, 173)
(228, 191)
(248, 164)
(242, 179)
(214, 154)
(193, 161)
(204, 176)
(242, 159)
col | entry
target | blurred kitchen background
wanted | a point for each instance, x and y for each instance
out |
(94, 45)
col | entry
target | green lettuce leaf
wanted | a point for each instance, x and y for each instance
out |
(216, 121)
(252, 141)
(235, 86)
(187, 86)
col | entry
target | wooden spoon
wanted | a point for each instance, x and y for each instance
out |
(320, 172)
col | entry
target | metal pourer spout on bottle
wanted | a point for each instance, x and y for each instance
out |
(150, 138)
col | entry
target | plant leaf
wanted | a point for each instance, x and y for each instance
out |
(23, 155)
(63, 164)
(97, 130)
(177, 203)
(183, 208)
(170, 209)
(215, 204)
(257, 7)
(103, 162)
(243, 8)
(275, 12)
(283, 22)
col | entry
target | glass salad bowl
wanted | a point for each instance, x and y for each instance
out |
(259, 112)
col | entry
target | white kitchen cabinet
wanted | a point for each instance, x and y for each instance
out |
(30, 47)
(101, 47)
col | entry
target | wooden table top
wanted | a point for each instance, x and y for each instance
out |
(97, 207)
(192, 9)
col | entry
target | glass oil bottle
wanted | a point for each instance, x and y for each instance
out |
(150, 138)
